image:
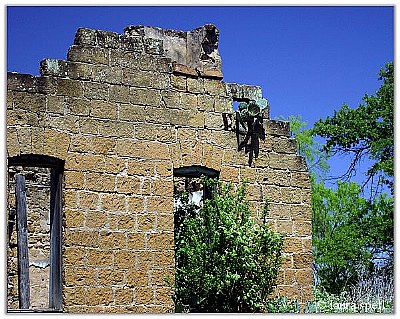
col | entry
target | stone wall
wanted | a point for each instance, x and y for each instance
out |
(122, 112)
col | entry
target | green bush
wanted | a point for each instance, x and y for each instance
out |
(225, 261)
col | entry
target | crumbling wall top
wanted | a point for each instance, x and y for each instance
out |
(196, 49)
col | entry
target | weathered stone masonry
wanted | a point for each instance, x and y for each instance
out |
(122, 112)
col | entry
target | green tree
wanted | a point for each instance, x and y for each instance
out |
(225, 261)
(349, 231)
(366, 131)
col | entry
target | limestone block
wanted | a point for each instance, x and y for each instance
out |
(302, 228)
(124, 258)
(56, 143)
(74, 296)
(154, 63)
(21, 82)
(146, 221)
(178, 82)
(302, 260)
(106, 74)
(86, 37)
(113, 240)
(273, 127)
(38, 141)
(143, 96)
(88, 54)
(165, 222)
(160, 204)
(113, 202)
(135, 204)
(161, 241)
(79, 276)
(103, 145)
(88, 200)
(206, 103)
(171, 99)
(241, 91)
(164, 258)
(83, 162)
(29, 101)
(100, 258)
(136, 241)
(214, 87)
(80, 71)
(114, 165)
(74, 256)
(162, 187)
(154, 132)
(189, 102)
(195, 119)
(293, 244)
(55, 104)
(159, 277)
(149, 79)
(300, 212)
(195, 85)
(95, 91)
(74, 179)
(74, 218)
(284, 145)
(96, 219)
(290, 195)
(24, 139)
(119, 93)
(77, 106)
(99, 296)
(128, 185)
(300, 179)
(141, 149)
(123, 297)
(68, 87)
(223, 105)
(131, 44)
(100, 182)
(229, 174)
(153, 46)
(137, 278)
(132, 113)
(144, 295)
(53, 67)
(110, 277)
(273, 193)
(116, 129)
(164, 168)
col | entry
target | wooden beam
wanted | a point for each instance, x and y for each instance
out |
(22, 243)
(55, 296)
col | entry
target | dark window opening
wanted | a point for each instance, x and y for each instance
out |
(34, 233)
(188, 179)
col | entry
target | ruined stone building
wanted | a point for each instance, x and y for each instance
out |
(94, 145)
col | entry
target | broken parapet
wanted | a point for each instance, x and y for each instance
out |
(197, 50)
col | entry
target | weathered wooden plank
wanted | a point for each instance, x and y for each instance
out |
(55, 297)
(22, 242)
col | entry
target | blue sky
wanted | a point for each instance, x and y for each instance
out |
(308, 60)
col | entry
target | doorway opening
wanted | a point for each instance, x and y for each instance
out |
(34, 226)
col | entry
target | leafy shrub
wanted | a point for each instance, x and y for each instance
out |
(225, 261)
(283, 305)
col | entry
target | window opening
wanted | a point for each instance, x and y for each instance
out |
(34, 234)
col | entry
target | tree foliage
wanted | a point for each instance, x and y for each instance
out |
(366, 131)
(225, 261)
(351, 232)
